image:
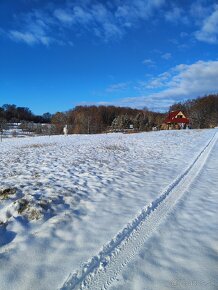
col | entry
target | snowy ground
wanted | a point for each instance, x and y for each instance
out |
(13, 130)
(184, 251)
(63, 198)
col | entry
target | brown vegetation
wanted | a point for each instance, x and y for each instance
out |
(98, 119)
(5, 193)
(202, 113)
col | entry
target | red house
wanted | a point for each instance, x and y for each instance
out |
(175, 120)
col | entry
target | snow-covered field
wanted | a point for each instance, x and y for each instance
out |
(63, 198)
(184, 251)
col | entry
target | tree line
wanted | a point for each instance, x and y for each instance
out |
(13, 114)
(202, 113)
(98, 119)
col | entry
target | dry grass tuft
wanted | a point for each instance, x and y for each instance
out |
(115, 147)
(5, 193)
(38, 145)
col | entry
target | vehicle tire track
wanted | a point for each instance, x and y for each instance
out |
(101, 270)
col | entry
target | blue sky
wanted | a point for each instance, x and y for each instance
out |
(55, 55)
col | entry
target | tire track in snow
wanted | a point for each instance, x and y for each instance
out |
(99, 272)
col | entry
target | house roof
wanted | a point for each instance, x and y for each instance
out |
(171, 118)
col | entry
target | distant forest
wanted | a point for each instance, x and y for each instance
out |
(202, 112)
(14, 114)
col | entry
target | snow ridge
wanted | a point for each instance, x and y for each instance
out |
(100, 271)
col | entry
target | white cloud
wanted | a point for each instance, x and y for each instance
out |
(209, 30)
(180, 83)
(158, 82)
(155, 104)
(148, 62)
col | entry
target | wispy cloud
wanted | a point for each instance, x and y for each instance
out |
(180, 83)
(177, 14)
(200, 10)
(159, 82)
(166, 56)
(209, 30)
(107, 20)
(64, 16)
(29, 37)
(117, 87)
(33, 28)
(201, 15)
(149, 62)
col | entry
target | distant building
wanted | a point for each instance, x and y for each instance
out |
(175, 120)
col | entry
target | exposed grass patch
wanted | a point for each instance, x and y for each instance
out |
(7, 192)
(22, 206)
(38, 145)
(28, 210)
(115, 147)
(34, 214)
